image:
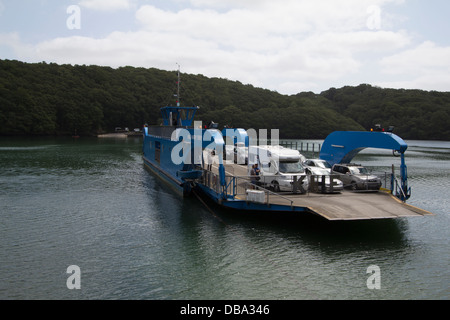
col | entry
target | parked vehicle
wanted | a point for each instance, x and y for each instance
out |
(236, 154)
(240, 153)
(320, 170)
(280, 168)
(317, 165)
(228, 153)
(356, 177)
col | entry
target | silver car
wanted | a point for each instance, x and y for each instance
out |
(356, 177)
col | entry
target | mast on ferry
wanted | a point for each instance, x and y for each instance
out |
(178, 86)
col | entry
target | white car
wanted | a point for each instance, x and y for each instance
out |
(236, 154)
(317, 169)
(317, 165)
(229, 153)
(240, 154)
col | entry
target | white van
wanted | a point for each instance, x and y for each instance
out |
(236, 154)
(280, 168)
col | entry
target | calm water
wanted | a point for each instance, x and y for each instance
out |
(91, 203)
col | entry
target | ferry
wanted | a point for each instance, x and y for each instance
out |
(192, 158)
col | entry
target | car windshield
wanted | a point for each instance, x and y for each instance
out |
(323, 164)
(358, 170)
(291, 167)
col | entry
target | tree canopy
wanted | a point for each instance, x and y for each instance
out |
(51, 99)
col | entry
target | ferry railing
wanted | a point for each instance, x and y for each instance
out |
(270, 194)
(244, 186)
(399, 191)
(161, 131)
(241, 186)
(311, 148)
(359, 183)
(391, 182)
(397, 188)
(294, 185)
(386, 179)
(364, 183)
(211, 180)
(302, 184)
(164, 131)
(324, 183)
(305, 184)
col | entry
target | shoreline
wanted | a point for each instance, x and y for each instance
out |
(112, 135)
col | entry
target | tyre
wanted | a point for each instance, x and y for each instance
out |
(275, 186)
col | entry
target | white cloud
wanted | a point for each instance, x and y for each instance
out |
(425, 66)
(297, 46)
(106, 5)
(268, 18)
(299, 41)
(12, 41)
(425, 58)
(429, 82)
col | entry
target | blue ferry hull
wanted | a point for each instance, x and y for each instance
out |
(164, 176)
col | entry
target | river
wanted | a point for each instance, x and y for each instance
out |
(90, 202)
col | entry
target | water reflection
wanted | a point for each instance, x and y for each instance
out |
(216, 253)
(134, 238)
(242, 253)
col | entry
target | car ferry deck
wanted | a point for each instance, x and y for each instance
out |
(346, 205)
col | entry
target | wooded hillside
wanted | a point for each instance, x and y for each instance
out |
(51, 99)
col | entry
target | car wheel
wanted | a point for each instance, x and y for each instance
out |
(354, 187)
(275, 186)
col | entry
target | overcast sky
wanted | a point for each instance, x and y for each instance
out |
(288, 46)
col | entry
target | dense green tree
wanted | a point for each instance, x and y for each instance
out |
(415, 114)
(51, 99)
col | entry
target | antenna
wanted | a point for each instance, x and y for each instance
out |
(178, 86)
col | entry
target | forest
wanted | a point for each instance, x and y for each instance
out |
(51, 99)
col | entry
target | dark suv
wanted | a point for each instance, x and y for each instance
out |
(356, 177)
